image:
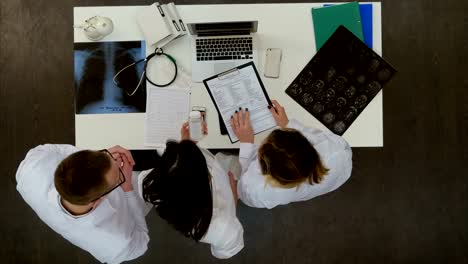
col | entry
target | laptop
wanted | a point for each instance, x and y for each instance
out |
(220, 46)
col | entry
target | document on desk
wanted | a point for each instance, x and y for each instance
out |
(166, 110)
(241, 87)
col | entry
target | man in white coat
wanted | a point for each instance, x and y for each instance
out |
(87, 197)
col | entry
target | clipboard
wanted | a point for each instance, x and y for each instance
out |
(223, 85)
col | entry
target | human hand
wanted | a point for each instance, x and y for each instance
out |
(118, 151)
(125, 162)
(185, 130)
(242, 127)
(126, 167)
(279, 114)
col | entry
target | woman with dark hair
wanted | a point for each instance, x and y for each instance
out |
(294, 163)
(191, 190)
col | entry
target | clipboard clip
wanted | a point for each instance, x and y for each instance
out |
(222, 75)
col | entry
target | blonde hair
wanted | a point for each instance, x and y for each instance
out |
(288, 159)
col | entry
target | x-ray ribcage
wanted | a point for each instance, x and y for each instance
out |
(340, 81)
(96, 63)
(92, 63)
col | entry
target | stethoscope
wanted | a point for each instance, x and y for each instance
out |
(157, 52)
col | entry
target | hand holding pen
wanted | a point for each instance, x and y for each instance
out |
(279, 114)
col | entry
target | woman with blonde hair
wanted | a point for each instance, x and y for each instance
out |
(294, 163)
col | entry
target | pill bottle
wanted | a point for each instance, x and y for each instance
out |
(195, 125)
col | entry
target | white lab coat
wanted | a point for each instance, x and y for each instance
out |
(113, 232)
(225, 233)
(334, 152)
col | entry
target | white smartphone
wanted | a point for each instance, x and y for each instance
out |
(272, 62)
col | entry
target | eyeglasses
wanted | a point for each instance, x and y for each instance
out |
(121, 177)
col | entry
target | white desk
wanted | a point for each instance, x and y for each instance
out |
(285, 26)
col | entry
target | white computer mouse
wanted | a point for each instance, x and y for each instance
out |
(97, 27)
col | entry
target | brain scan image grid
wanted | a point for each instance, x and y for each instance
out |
(340, 81)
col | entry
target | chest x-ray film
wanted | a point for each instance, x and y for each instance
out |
(96, 63)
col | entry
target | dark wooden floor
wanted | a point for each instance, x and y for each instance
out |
(405, 203)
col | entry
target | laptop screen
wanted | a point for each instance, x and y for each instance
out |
(223, 28)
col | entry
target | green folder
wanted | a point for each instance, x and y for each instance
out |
(328, 19)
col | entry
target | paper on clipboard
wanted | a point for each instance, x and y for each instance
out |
(241, 87)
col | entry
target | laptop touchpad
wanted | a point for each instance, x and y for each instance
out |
(222, 67)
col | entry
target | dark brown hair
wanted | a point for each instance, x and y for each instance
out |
(180, 188)
(80, 178)
(289, 158)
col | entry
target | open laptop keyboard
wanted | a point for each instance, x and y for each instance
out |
(224, 49)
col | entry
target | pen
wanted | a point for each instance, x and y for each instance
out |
(270, 106)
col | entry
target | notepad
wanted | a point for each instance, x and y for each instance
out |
(327, 19)
(166, 110)
(366, 21)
